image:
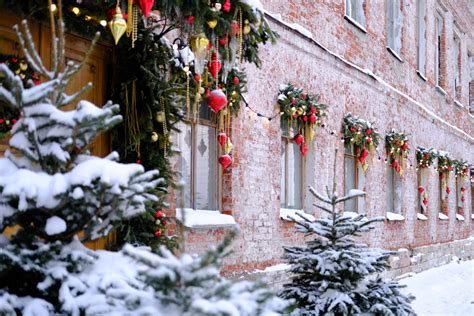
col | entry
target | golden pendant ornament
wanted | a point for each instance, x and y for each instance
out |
(199, 43)
(154, 137)
(117, 25)
(247, 27)
(212, 23)
(160, 116)
(228, 146)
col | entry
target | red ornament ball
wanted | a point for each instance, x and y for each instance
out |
(197, 77)
(158, 233)
(159, 214)
(235, 80)
(225, 161)
(216, 100)
(303, 149)
(299, 139)
(313, 118)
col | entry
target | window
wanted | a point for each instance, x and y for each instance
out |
(353, 179)
(421, 35)
(355, 11)
(422, 175)
(439, 51)
(394, 191)
(471, 83)
(457, 67)
(395, 21)
(443, 193)
(291, 180)
(197, 163)
(460, 195)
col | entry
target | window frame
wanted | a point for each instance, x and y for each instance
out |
(394, 24)
(193, 123)
(287, 139)
(360, 203)
(459, 203)
(421, 40)
(457, 84)
(439, 32)
(357, 16)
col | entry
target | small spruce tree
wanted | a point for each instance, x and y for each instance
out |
(333, 273)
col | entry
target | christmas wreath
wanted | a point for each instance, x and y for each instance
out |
(300, 111)
(362, 135)
(425, 157)
(397, 147)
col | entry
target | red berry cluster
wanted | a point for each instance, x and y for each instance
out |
(160, 223)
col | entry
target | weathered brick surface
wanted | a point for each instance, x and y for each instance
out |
(251, 188)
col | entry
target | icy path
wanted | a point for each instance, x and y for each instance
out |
(446, 290)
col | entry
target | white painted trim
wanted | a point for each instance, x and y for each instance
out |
(440, 90)
(421, 75)
(442, 217)
(459, 217)
(204, 218)
(421, 217)
(458, 104)
(394, 53)
(394, 216)
(355, 23)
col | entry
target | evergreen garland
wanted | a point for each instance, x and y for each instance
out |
(425, 157)
(397, 148)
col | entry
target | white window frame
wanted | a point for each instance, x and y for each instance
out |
(394, 27)
(457, 84)
(359, 179)
(421, 37)
(354, 13)
(439, 29)
(287, 141)
(422, 175)
(193, 187)
(459, 185)
(394, 198)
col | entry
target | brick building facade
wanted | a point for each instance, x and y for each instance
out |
(402, 64)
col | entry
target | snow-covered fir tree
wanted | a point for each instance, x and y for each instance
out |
(51, 188)
(333, 273)
(52, 191)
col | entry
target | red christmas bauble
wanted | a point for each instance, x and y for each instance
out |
(190, 19)
(222, 138)
(293, 101)
(421, 190)
(303, 149)
(305, 118)
(158, 233)
(234, 28)
(214, 66)
(1, 121)
(216, 100)
(462, 199)
(405, 146)
(223, 41)
(368, 132)
(448, 190)
(425, 201)
(159, 214)
(395, 164)
(226, 6)
(225, 160)
(197, 77)
(235, 80)
(363, 155)
(313, 109)
(313, 118)
(145, 6)
(299, 139)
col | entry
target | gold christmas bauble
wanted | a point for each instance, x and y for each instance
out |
(247, 29)
(154, 137)
(228, 146)
(118, 25)
(212, 23)
(157, 222)
(160, 117)
(23, 65)
(199, 43)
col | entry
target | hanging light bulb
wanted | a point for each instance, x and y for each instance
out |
(53, 7)
(117, 25)
(76, 10)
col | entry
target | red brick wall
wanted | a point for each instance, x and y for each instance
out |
(251, 187)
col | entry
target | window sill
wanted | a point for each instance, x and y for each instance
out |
(353, 215)
(394, 217)
(472, 216)
(443, 217)
(204, 219)
(355, 23)
(395, 54)
(459, 104)
(421, 75)
(459, 217)
(421, 217)
(440, 90)
(286, 214)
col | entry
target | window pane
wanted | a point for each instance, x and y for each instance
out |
(360, 185)
(350, 182)
(294, 176)
(182, 141)
(390, 190)
(205, 182)
(421, 5)
(283, 175)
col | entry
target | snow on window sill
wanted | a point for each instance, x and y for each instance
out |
(204, 218)
(459, 104)
(442, 216)
(440, 90)
(394, 217)
(354, 215)
(421, 217)
(395, 54)
(286, 214)
(459, 217)
(472, 216)
(421, 75)
(355, 23)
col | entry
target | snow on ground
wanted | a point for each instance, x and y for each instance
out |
(444, 291)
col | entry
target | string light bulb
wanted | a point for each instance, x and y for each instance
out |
(76, 10)
(103, 23)
(53, 7)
